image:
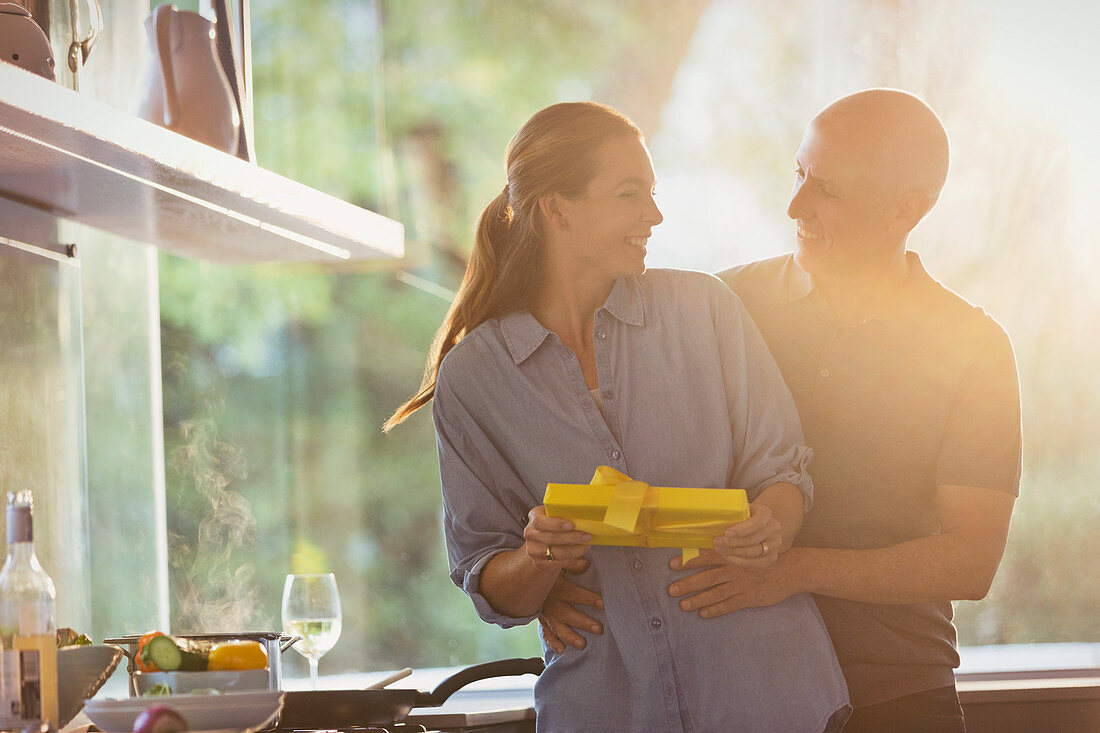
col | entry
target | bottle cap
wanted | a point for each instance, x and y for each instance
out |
(20, 517)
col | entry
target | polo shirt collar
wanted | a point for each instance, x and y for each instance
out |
(901, 314)
(523, 333)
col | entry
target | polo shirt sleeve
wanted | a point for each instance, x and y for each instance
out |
(982, 435)
(478, 522)
(767, 434)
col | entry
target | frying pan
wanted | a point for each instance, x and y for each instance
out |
(341, 709)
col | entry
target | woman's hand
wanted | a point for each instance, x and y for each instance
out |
(754, 543)
(550, 541)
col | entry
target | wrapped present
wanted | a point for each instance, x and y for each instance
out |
(617, 510)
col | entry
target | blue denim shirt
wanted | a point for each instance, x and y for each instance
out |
(691, 397)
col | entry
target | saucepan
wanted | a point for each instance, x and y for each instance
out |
(274, 643)
(343, 709)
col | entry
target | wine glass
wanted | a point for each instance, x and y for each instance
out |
(311, 610)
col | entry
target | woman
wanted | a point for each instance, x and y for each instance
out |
(562, 353)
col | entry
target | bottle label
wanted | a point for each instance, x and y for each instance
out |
(20, 688)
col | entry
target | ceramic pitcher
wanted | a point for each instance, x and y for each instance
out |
(184, 87)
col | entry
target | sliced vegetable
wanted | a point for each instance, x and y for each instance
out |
(69, 637)
(160, 719)
(139, 657)
(160, 688)
(169, 654)
(237, 655)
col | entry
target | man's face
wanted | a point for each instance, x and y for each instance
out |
(839, 202)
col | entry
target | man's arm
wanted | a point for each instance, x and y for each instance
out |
(957, 564)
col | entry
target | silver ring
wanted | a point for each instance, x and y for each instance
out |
(763, 548)
(549, 555)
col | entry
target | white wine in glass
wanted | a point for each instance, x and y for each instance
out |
(311, 610)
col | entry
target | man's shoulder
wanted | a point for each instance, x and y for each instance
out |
(969, 323)
(760, 281)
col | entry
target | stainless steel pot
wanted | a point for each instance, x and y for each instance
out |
(275, 644)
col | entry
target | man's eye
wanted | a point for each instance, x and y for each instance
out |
(626, 194)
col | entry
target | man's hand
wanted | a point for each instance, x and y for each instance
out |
(560, 618)
(722, 588)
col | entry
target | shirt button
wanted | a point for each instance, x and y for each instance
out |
(602, 335)
(637, 565)
(607, 395)
(655, 623)
(824, 372)
(615, 454)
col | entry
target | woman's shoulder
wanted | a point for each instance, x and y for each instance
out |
(690, 289)
(474, 353)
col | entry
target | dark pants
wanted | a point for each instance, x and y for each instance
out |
(933, 711)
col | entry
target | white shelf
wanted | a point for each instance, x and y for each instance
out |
(64, 155)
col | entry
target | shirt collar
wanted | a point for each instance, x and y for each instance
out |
(901, 314)
(523, 333)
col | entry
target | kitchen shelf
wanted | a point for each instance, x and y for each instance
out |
(63, 155)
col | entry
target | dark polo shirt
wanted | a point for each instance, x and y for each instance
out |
(925, 393)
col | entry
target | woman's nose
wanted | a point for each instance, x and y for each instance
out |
(654, 215)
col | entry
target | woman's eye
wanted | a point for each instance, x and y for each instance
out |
(627, 194)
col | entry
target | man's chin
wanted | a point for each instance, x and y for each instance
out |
(809, 260)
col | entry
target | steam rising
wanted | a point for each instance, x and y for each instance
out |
(213, 592)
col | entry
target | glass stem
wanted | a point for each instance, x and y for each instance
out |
(313, 671)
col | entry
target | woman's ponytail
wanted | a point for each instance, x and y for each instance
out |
(473, 304)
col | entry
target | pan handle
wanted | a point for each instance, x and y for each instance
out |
(463, 677)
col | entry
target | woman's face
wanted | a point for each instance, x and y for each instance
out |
(607, 227)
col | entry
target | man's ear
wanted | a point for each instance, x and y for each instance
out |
(552, 208)
(908, 209)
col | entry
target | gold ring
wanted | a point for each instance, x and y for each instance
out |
(549, 555)
(763, 548)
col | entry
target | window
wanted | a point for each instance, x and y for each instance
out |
(276, 379)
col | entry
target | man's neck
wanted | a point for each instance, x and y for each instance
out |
(855, 297)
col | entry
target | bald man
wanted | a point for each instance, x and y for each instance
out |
(910, 400)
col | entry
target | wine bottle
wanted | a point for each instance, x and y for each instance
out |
(28, 632)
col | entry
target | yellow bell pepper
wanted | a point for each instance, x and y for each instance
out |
(237, 655)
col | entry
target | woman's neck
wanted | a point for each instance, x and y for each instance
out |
(566, 301)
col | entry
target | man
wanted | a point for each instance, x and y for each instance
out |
(909, 398)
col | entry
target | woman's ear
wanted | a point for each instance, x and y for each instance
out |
(553, 211)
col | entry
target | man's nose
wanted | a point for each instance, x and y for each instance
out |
(798, 207)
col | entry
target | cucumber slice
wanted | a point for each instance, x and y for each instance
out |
(173, 655)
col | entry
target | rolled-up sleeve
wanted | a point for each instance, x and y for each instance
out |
(767, 431)
(477, 521)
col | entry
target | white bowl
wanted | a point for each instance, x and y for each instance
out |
(181, 683)
(229, 711)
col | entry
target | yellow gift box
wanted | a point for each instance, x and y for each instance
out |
(617, 510)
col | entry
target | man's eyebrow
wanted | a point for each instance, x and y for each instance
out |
(810, 174)
(637, 181)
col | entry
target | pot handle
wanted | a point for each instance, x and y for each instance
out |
(291, 642)
(463, 677)
(82, 48)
